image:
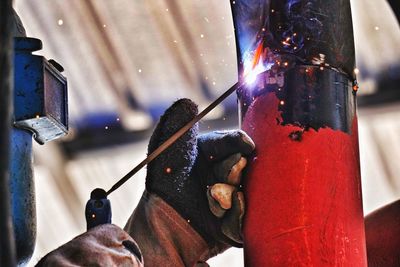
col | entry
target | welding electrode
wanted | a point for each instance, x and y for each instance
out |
(98, 208)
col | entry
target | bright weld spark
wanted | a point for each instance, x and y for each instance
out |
(254, 65)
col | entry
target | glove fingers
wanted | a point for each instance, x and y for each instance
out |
(223, 169)
(169, 163)
(235, 174)
(133, 248)
(232, 221)
(222, 193)
(219, 145)
(214, 206)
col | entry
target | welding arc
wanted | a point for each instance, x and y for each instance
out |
(174, 137)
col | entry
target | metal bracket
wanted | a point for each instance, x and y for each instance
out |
(40, 93)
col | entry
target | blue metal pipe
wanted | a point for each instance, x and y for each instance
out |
(22, 194)
(7, 250)
(40, 101)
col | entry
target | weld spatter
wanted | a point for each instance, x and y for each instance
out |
(295, 24)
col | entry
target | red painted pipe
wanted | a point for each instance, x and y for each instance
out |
(303, 187)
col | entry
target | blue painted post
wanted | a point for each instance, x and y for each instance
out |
(23, 193)
(7, 248)
(40, 101)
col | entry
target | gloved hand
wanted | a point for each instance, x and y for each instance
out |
(104, 245)
(200, 176)
(382, 231)
(196, 179)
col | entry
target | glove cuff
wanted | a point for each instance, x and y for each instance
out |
(164, 237)
(194, 214)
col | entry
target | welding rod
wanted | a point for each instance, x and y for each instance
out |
(174, 137)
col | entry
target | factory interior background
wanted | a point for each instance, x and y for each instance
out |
(127, 61)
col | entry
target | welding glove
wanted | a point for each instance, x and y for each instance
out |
(104, 245)
(382, 231)
(192, 208)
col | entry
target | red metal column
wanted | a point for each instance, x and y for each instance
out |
(303, 188)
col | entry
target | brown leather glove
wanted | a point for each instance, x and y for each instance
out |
(104, 245)
(382, 229)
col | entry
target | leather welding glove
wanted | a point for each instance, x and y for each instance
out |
(192, 208)
(104, 245)
(382, 231)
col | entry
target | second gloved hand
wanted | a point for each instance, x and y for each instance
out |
(199, 176)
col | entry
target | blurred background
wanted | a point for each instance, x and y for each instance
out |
(126, 61)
